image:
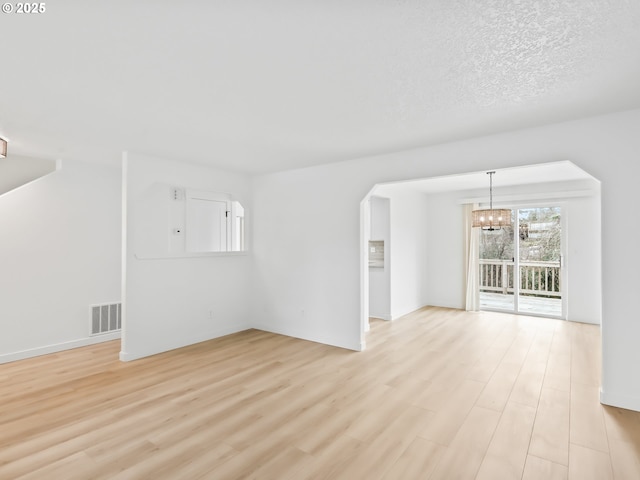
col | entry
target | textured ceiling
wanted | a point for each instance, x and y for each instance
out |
(264, 86)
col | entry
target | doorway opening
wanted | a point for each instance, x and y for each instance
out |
(438, 261)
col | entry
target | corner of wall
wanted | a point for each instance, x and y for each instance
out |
(619, 400)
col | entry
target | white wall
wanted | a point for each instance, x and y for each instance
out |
(173, 300)
(445, 256)
(380, 278)
(584, 259)
(408, 252)
(60, 253)
(306, 239)
(583, 249)
(318, 210)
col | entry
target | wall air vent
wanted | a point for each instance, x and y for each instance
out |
(105, 318)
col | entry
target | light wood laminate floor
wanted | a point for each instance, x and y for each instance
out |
(438, 394)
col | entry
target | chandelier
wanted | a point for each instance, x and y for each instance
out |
(491, 219)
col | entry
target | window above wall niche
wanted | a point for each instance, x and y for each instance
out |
(179, 222)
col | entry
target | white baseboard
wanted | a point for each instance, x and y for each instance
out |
(165, 347)
(402, 313)
(58, 347)
(357, 347)
(621, 401)
(381, 316)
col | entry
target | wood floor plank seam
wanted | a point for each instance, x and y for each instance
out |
(541, 458)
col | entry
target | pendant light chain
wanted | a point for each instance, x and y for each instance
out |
(490, 189)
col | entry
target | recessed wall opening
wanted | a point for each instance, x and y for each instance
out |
(428, 249)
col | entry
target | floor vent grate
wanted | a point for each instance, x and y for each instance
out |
(105, 318)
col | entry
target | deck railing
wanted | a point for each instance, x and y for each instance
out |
(536, 278)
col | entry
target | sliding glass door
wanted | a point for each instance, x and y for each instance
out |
(521, 265)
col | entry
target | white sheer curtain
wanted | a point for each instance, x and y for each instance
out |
(472, 252)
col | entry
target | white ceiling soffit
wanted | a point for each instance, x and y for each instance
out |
(260, 86)
(544, 173)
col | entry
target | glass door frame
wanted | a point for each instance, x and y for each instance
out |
(516, 260)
